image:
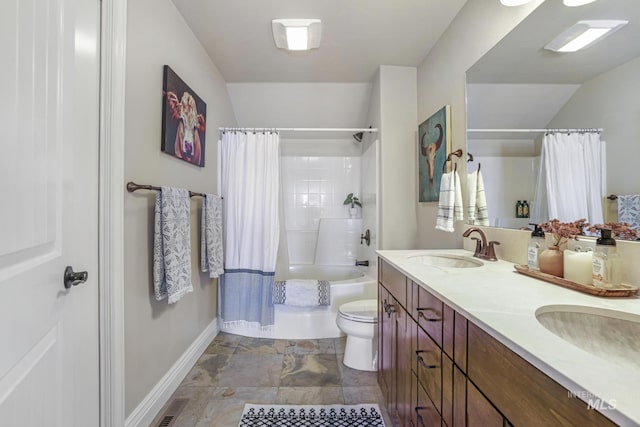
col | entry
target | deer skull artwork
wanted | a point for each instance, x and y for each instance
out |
(429, 150)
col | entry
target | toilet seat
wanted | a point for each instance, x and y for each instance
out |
(363, 311)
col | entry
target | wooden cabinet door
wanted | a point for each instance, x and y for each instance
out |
(387, 377)
(480, 412)
(394, 281)
(459, 398)
(525, 395)
(447, 390)
(405, 327)
(385, 365)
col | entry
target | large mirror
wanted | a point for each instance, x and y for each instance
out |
(520, 86)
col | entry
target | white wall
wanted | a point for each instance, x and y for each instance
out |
(441, 80)
(370, 175)
(610, 101)
(158, 334)
(398, 126)
(371, 178)
(507, 180)
(299, 105)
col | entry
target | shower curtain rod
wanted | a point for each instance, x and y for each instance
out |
(537, 130)
(223, 129)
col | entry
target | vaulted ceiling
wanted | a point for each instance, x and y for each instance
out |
(357, 36)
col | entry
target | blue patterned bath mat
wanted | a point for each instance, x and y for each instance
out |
(366, 415)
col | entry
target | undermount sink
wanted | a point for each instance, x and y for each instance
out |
(445, 260)
(609, 334)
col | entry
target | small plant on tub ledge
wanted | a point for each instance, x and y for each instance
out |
(353, 201)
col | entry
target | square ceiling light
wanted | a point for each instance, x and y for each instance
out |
(297, 34)
(583, 34)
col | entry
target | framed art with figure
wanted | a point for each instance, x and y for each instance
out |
(434, 144)
(183, 120)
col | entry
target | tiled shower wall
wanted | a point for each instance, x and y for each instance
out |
(315, 187)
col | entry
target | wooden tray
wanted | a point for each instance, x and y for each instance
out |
(623, 290)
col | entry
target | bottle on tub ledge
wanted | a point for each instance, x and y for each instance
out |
(519, 208)
(606, 261)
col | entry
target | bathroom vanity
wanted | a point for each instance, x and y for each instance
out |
(464, 342)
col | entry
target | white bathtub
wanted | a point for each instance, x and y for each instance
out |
(347, 284)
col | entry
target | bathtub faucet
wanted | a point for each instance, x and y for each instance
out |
(364, 263)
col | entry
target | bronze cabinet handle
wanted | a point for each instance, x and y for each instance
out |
(422, 362)
(428, 319)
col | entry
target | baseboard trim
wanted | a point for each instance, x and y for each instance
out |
(147, 410)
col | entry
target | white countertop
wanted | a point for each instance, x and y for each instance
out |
(503, 303)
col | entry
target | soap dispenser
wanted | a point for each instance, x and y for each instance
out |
(537, 244)
(606, 261)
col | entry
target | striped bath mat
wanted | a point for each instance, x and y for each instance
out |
(364, 415)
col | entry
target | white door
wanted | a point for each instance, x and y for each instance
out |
(49, 80)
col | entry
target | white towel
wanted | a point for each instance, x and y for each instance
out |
(477, 212)
(629, 210)
(450, 204)
(302, 293)
(211, 253)
(172, 245)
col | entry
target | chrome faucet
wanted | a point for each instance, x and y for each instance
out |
(483, 250)
(364, 263)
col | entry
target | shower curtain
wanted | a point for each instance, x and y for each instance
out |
(249, 165)
(571, 178)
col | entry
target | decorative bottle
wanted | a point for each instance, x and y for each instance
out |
(537, 244)
(519, 209)
(606, 261)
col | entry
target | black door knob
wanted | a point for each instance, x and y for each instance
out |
(72, 278)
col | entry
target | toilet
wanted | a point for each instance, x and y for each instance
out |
(359, 321)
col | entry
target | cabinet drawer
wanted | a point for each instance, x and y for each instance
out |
(429, 315)
(424, 414)
(428, 364)
(525, 395)
(447, 330)
(394, 281)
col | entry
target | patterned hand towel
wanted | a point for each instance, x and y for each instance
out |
(172, 245)
(211, 253)
(482, 213)
(450, 203)
(629, 210)
(302, 293)
(472, 192)
(476, 200)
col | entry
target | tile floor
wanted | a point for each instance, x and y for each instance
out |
(235, 370)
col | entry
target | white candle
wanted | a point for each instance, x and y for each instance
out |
(578, 266)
